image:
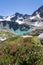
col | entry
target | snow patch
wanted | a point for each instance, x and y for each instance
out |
(32, 17)
(38, 15)
(19, 22)
(40, 36)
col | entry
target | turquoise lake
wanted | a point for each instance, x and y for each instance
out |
(19, 32)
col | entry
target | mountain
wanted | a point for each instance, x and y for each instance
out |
(39, 11)
(22, 21)
(37, 17)
(15, 22)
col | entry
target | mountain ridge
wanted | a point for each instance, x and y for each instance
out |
(22, 22)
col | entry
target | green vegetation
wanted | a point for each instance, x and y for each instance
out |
(16, 50)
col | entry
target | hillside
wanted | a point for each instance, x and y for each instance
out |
(20, 50)
(21, 39)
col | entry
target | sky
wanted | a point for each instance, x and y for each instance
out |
(10, 7)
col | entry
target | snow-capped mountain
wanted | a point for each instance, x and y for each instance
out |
(36, 18)
(15, 21)
(40, 12)
(22, 22)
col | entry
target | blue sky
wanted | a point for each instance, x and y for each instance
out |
(9, 7)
